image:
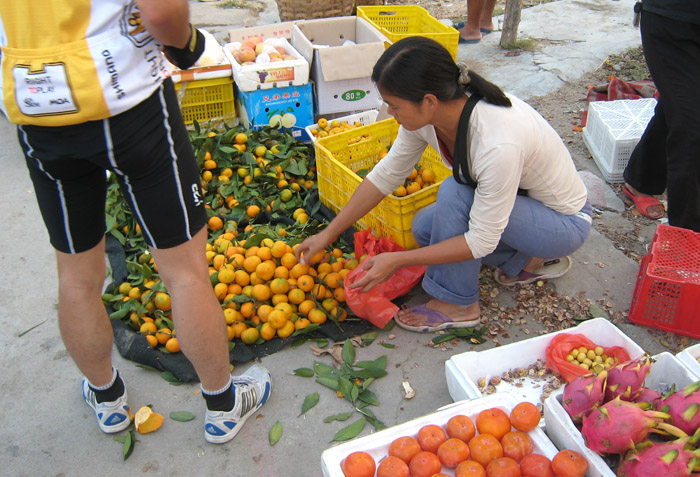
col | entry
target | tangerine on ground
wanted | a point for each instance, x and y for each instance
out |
(536, 465)
(305, 283)
(215, 223)
(172, 345)
(261, 292)
(264, 311)
(493, 421)
(339, 314)
(430, 437)
(152, 340)
(279, 285)
(392, 466)
(569, 463)
(296, 296)
(277, 319)
(452, 452)
(163, 335)
(359, 464)
(241, 278)
(298, 270)
(470, 468)
(516, 445)
(264, 252)
(238, 328)
(404, 448)
(525, 416)
(287, 330)
(424, 464)
(301, 323)
(162, 301)
(318, 291)
(251, 263)
(483, 448)
(503, 467)
(231, 333)
(278, 249)
(306, 306)
(317, 316)
(339, 294)
(148, 328)
(267, 332)
(247, 309)
(279, 298)
(460, 427)
(250, 335)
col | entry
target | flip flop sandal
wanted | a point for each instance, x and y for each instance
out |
(436, 321)
(460, 25)
(643, 203)
(462, 41)
(554, 268)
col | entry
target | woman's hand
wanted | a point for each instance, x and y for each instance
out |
(378, 269)
(311, 246)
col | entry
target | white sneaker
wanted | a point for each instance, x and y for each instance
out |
(252, 390)
(111, 416)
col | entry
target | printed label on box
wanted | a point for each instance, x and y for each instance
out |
(353, 95)
(274, 76)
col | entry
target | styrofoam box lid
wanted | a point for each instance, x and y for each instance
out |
(273, 30)
(365, 117)
(377, 444)
(623, 118)
(666, 370)
(689, 358)
(464, 370)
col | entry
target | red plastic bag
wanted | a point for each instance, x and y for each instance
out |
(563, 343)
(375, 305)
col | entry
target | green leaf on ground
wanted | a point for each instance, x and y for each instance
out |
(304, 372)
(350, 431)
(275, 433)
(348, 352)
(181, 416)
(127, 442)
(339, 417)
(170, 378)
(309, 401)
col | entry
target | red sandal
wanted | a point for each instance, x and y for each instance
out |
(642, 203)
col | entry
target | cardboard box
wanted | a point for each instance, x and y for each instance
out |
(292, 107)
(464, 370)
(342, 72)
(269, 75)
(666, 371)
(377, 444)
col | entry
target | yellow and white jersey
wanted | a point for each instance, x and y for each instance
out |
(71, 61)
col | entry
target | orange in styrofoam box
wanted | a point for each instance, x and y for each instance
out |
(262, 58)
(377, 444)
(666, 372)
(355, 120)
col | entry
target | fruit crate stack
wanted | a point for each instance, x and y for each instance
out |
(667, 293)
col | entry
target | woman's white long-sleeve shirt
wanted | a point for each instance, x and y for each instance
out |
(508, 148)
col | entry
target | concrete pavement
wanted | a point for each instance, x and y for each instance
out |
(46, 429)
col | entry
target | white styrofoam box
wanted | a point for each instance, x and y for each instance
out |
(342, 52)
(613, 129)
(666, 370)
(269, 75)
(689, 358)
(377, 444)
(464, 370)
(364, 117)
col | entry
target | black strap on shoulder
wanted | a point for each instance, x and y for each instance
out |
(460, 167)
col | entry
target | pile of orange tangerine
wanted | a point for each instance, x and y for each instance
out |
(265, 292)
(496, 450)
(419, 178)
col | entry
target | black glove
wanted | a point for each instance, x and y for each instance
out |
(185, 57)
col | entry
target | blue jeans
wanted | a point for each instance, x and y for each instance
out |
(533, 230)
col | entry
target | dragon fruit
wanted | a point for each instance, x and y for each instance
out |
(649, 397)
(655, 459)
(626, 379)
(684, 407)
(582, 394)
(619, 425)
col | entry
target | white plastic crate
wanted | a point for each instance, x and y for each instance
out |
(666, 370)
(689, 358)
(613, 129)
(377, 444)
(364, 117)
(464, 370)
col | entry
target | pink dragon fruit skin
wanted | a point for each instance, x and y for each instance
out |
(626, 379)
(684, 407)
(649, 396)
(582, 394)
(667, 459)
(618, 425)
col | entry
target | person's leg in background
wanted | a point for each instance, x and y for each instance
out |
(672, 52)
(479, 19)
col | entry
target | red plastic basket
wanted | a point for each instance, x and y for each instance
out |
(667, 293)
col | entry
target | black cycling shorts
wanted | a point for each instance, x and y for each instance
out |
(149, 151)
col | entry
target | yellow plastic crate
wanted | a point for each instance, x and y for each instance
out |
(207, 99)
(397, 22)
(336, 160)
